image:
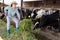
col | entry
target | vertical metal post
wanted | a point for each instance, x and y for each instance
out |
(3, 5)
(45, 3)
(54, 1)
(21, 8)
(21, 3)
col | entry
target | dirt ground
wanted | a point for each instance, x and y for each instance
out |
(50, 35)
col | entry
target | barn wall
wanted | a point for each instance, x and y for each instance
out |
(46, 4)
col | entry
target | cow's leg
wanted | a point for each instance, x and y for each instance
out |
(56, 27)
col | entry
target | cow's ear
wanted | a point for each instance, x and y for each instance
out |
(11, 5)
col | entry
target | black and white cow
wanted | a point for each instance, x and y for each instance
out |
(37, 14)
(47, 18)
(28, 13)
(25, 13)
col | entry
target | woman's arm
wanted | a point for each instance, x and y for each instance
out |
(18, 14)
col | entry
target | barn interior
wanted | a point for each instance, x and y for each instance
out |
(37, 4)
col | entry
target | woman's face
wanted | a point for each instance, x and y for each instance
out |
(13, 5)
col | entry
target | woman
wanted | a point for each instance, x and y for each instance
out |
(11, 12)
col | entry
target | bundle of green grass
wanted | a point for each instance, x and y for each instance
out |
(25, 24)
(22, 34)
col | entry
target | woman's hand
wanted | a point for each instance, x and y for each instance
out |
(6, 14)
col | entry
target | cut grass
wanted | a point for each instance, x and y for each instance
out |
(22, 34)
